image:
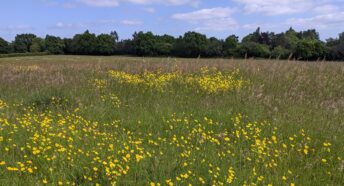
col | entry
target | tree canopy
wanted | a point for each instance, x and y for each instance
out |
(4, 47)
(291, 44)
(23, 42)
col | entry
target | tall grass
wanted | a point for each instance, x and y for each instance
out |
(67, 119)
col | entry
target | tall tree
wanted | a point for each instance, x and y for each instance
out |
(310, 49)
(214, 48)
(336, 48)
(253, 49)
(4, 46)
(144, 43)
(280, 52)
(310, 34)
(38, 45)
(230, 45)
(114, 35)
(85, 43)
(192, 44)
(287, 40)
(164, 45)
(54, 45)
(23, 42)
(68, 46)
(253, 37)
(106, 44)
(125, 47)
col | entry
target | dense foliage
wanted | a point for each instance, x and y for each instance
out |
(303, 45)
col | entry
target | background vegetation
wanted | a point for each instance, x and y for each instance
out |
(303, 45)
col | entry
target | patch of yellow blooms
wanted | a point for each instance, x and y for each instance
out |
(67, 149)
(208, 81)
(50, 145)
(27, 68)
(2, 104)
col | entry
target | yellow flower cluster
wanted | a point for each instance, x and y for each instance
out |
(67, 149)
(214, 153)
(209, 81)
(216, 81)
(28, 68)
(157, 81)
(113, 99)
(2, 104)
(99, 83)
(50, 145)
(123, 77)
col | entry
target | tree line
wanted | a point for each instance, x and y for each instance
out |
(303, 45)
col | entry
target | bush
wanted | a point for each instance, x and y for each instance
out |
(252, 49)
(281, 53)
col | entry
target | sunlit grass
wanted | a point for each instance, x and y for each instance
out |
(80, 124)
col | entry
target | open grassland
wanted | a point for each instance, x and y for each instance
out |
(70, 120)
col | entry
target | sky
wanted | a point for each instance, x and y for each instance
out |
(218, 18)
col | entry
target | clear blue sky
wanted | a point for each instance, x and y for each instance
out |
(218, 18)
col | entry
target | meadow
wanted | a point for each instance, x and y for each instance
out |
(82, 120)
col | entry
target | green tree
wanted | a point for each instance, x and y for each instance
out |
(336, 48)
(54, 45)
(106, 44)
(252, 49)
(287, 40)
(310, 49)
(4, 46)
(281, 53)
(310, 34)
(38, 45)
(337, 52)
(214, 48)
(23, 42)
(114, 35)
(68, 46)
(266, 38)
(164, 45)
(85, 44)
(192, 44)
(253, 37)
(125, 47)
(144, 43)
(230, 45)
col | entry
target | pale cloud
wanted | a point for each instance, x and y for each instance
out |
(132, 22)
(104, 22)
(149, 10)
(211, 13)
(214, 19)
(326, 8)
(278, 7)
(50, 2)
(16, 28)
(304, 14)
(167, 2)
(100, 3)
(222, 24)
(115, 3)
(70, 5)
(319, 21)
(324, 17)
(62, 25)
(84, 25)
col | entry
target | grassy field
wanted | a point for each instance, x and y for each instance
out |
(73, 120)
